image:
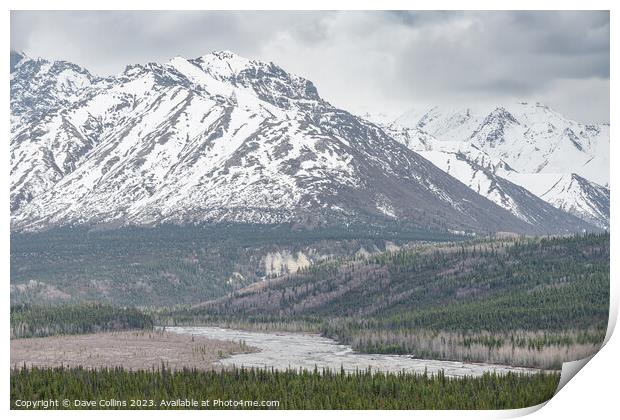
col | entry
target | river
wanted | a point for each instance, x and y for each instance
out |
(283, 350)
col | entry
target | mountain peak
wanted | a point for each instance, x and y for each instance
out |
(222, 138)
(224, 63)
(492, 130)
(501, 113)
(225, 54)
(16, 58)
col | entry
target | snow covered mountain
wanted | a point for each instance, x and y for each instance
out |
(563, 162)
(569, 192)
(530, 137)
(220, 138)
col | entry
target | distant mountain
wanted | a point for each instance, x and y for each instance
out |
(570, 193)
(563, 162)
(220, 138)
(530, 137)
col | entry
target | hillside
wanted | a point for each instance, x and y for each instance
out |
(517, 301)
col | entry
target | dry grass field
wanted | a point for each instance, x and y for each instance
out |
(137, 349)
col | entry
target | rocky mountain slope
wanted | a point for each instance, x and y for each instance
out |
(221, 138)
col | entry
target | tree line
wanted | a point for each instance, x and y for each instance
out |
(294, 389)
(44, 320)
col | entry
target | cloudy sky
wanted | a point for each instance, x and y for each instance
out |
(361, 61)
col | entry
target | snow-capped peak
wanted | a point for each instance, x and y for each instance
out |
(224, 64)
(17, 57)
(221, 138)
(527, 143)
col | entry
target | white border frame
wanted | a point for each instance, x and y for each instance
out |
(592, 393)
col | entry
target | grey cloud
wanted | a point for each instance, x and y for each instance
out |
(359, 60)
(421, 18)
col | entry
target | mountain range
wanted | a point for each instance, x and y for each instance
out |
(224, 139)
(491, 148)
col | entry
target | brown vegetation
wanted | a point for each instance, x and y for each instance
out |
(137, 349)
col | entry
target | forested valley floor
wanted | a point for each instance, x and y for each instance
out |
(292, 389)
(534, 302)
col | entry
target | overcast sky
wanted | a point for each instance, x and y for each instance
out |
(361, 61)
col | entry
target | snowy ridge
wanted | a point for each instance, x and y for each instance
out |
(220, 138)
(563, 162)
(568, 194)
